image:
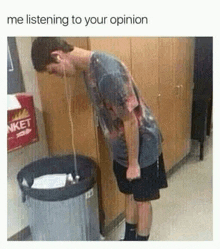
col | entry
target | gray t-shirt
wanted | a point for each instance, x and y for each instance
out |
(114, 94)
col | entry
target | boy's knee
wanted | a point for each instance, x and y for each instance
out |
(129, 196)
(141, 204)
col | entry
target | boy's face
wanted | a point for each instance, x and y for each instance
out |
(61, 69)
(63, 65)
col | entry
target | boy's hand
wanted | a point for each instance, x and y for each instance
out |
(133, 172)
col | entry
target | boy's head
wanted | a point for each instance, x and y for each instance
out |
(42, 48)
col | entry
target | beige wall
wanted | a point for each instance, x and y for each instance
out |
(17, 212)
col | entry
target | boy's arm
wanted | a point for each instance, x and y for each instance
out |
(131, 130)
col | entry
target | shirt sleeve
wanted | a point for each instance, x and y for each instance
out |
(118, 93)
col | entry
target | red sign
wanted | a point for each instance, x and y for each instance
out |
(21, 127)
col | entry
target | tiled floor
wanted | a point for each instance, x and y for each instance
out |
(184, 212)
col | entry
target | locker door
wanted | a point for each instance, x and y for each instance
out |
(152, 69)
(183, 79)
(144, 54)
(167, 95)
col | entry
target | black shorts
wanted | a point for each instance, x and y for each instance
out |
(153, 178)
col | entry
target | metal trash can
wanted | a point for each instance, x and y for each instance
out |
(68, 213)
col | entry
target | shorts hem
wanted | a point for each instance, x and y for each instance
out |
(143, 199)
(147, 199)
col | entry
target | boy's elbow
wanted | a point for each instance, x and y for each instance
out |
(130, 118)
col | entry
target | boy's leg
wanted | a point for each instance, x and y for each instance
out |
(131, 217)
(131, 209)
(144, 210)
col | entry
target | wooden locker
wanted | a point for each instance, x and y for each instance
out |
(152, 69)
(167, 95)
(144, 59)
(162, 69)
(58, 128)
(183, 80)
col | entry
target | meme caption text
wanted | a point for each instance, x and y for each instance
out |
(77, 20)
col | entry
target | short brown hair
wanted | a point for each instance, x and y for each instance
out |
(42, 47)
